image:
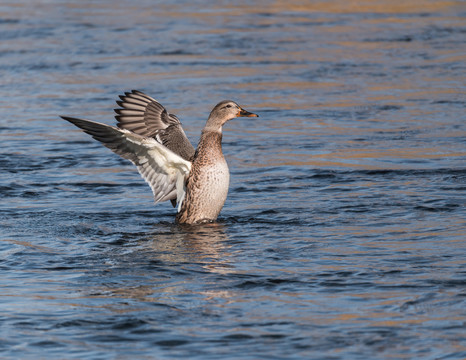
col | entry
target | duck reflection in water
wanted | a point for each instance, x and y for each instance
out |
(193, 245)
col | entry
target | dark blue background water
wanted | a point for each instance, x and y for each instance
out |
(343, 234)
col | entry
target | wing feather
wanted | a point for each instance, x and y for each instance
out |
(163, 170)
(137, 106)
(145, 116)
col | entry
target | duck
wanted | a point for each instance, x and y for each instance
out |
(195, 180)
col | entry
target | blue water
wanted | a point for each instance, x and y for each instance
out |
(343, 233)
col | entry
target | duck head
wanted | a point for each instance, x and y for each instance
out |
(224, 111)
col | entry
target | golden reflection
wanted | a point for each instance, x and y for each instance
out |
(39, 248)
(232, 10)
(288, 84)
(362, 6)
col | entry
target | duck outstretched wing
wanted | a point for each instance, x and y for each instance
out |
(145, 116)
(161, 168)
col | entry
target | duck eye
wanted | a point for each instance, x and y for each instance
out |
(228, 106)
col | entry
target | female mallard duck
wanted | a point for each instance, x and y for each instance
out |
(153, 140)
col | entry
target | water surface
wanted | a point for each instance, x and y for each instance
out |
(343, 233)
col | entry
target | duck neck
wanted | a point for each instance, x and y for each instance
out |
(210, 144)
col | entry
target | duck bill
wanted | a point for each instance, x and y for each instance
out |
(244, 113)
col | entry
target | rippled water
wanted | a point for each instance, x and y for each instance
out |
(343, 234)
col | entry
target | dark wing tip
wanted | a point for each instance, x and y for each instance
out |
(68, 118)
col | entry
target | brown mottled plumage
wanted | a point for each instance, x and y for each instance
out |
(155, 142)
(207, 183)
